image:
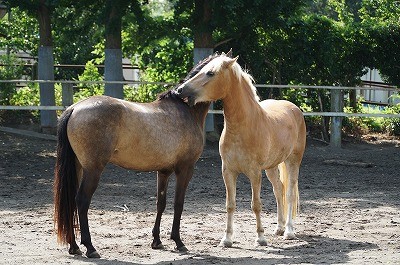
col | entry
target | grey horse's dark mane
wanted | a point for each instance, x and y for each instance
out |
(171, 93)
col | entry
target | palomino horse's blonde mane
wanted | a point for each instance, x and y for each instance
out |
(248, 80)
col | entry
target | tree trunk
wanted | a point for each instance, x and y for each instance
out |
(336, 122)
(203, 43)
(202, 24)
(48, 118)
(353, 98)
(113, 52)
(325, 120)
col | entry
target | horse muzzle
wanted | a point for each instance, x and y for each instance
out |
(185, 93)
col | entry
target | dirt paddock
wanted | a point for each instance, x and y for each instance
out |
(350, 206)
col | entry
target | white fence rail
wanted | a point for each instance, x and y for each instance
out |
(330, 114)
(334, 114)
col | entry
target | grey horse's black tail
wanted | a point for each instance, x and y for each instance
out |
(65, 184)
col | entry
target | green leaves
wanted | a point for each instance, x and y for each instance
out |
(19, 33)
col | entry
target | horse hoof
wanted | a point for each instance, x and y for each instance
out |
(182, 249)
(279, 232)
(262, 242)
(289, 236)
(93, 255)
(225, 243)
(75, 251)
(159, 246)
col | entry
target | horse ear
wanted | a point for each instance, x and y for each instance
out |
(230, 62)
(229, 54)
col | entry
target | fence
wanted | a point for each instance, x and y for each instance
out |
(336, 101)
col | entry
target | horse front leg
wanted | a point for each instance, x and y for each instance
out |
(256, 206)
(183, 176)
(230, 185)
(162, 185)
(83, 198)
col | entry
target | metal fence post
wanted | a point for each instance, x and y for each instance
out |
(67, 94)
(336, 122)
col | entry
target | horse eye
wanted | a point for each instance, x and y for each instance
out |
(210, 73)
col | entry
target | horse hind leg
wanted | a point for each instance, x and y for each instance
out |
(89, 183)
(278, 189)
(73, 246)
(292, 197)
(256, 206)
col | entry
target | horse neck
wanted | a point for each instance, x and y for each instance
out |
(240, 106)
(199, 112)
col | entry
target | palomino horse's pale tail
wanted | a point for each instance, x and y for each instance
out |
(257, 136)
(284, 177)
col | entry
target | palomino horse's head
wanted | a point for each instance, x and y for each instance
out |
(211, 82)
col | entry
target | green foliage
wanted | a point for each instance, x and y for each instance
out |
(380, 23)
(312, 42)
(29, 96)
(19, 33)
(362, 125)
(77, 30)
(161, 48)
(10, 68)
(85, 90)
(392, 126)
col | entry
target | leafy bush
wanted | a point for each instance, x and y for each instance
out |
(30, 96)
(10, 68)
(85, 90)
(26, 96)
(392, 125)
(362, 125)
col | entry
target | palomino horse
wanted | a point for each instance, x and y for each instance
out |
(269, 135)
(165, 136)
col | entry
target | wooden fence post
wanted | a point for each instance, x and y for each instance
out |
(336, 122)
(67, 94)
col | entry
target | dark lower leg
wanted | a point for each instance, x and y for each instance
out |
(175, 234)
(182, 180)
(162, 184)
(73, 247)
(83, 199)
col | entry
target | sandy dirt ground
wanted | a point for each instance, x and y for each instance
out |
(350, 214)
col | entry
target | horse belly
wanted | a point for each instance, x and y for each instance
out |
(147, 149)
(143, 159)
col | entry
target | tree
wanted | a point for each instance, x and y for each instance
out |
(43, 10)
(203, 42)
(380, 23)
(77, 30)
(19, 32)
(48, 119)
(114, 11)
